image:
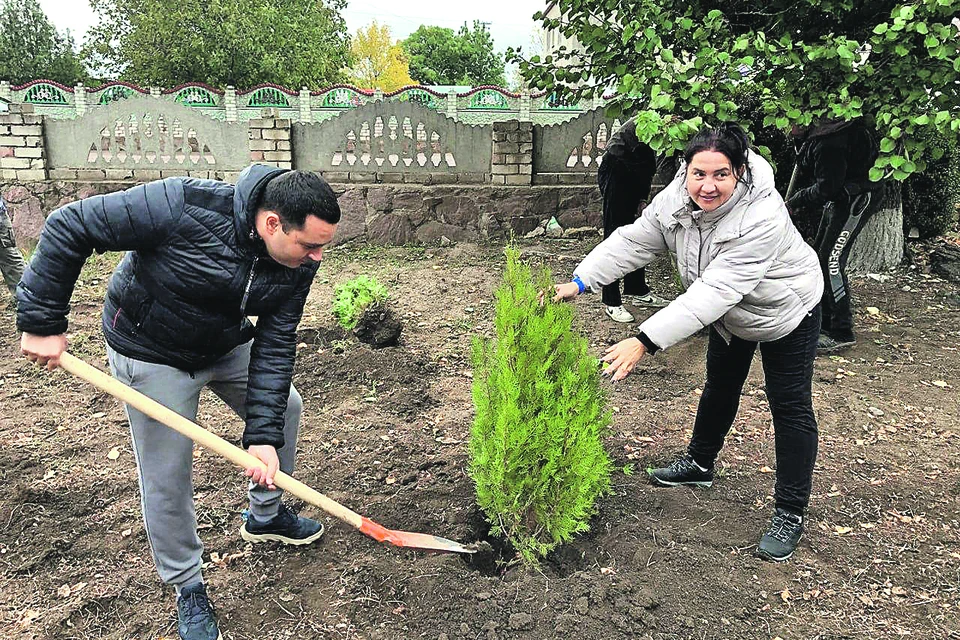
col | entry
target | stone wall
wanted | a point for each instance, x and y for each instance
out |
(376, 213)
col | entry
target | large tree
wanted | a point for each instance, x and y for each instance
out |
(242, 43)
(31, 48)
(680, 63)
(378, 61)
(439, 56)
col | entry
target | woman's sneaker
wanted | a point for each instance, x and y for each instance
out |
(286, 527)
(781, 539)
(683, 471)
(618, 314)
(195, 614)
(649, 300)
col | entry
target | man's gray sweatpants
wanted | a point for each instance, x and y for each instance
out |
(165, 457)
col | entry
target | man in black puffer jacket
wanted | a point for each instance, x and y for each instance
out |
(835, 158)
(203, 255)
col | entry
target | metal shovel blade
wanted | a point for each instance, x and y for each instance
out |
(413, 540)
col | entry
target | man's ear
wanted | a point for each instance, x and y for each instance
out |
(271, 221)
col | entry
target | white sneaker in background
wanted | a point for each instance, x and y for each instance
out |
(618, 314)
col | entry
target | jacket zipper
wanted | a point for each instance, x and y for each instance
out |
(246, 290)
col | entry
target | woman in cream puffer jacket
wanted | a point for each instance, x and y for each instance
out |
(752, 279)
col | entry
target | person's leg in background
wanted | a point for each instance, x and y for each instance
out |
(11, 260)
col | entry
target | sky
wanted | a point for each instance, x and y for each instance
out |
(510, 21)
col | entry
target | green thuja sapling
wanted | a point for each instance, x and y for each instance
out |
(536, 447)
(352, 298)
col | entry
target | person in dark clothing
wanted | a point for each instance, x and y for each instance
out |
(626, 173)
(202, 256)
(836, 158)
(11, 260)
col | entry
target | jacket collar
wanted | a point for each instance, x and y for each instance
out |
(246, 198)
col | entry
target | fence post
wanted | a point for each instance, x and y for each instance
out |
(306, 106)
(80, 99)
(230, 103)
(270, 140)
(23, 156)
(512, 162)
(451, 106)
(525, 106)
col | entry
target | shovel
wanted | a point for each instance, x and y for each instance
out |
(244, 460)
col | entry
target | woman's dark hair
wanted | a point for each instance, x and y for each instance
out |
(296, 194)
(728, 138)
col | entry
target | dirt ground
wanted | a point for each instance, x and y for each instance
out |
(385, 432)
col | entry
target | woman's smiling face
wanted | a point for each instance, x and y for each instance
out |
(710, 179)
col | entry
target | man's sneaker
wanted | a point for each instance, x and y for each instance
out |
(828, 344)
(683, 471)
(781, 539)
(618, 314)
(286, 527)
(649, 300)
(195, 614)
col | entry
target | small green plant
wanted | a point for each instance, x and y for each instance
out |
(536, 446)
(352, 298)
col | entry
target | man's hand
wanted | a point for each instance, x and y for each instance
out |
(44, 350)
(266, 454)
(623, 357)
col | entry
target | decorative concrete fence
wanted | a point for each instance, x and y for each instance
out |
(406, 171)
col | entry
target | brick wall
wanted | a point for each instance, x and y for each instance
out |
(22, 154)
(270, 139)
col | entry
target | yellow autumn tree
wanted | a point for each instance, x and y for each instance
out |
(379, 62)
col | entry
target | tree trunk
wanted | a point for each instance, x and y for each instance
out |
(879, 247)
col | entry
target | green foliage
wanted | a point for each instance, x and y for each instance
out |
(930, 198)
(352, 298)
(31, 48)
(440, 56)
(221, 42)
(680, 62)
(536, 446)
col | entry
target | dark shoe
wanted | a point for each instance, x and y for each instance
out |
(683, 471)
(195, 614)
(286, 527)
(781, 539)
(828, 344)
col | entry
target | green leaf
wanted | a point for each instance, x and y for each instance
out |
(876, 174)
(887, 145)
(881, 28)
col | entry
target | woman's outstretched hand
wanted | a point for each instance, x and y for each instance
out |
(561, 292)
(622, 358)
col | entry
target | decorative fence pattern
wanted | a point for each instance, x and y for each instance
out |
(575, 146)
(480, 105)
(145, 133)
(393, 137)
(130, 135)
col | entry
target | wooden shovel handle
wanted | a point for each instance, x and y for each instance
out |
(202, 437)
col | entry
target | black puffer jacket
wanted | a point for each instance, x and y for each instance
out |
(835, 160)
(176, 297)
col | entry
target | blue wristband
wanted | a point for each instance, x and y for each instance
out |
(580, 284)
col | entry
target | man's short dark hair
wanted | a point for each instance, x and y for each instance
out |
(294, 195)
